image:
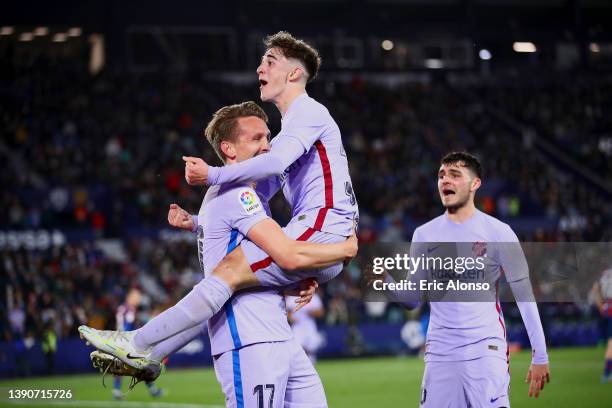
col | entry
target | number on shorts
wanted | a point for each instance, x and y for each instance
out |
(259, 391)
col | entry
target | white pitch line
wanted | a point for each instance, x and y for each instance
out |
(110, 404)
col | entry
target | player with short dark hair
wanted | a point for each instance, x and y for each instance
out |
(464, 159)
(466, 352)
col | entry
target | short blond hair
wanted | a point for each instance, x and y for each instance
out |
(224, 123)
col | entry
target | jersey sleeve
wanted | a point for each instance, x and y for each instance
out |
(284, 151)
(246, 209)
(511, 256)
(528, 308)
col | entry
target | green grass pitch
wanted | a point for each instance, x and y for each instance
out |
(372, 382)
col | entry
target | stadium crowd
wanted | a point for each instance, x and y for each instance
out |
(570, 113)
(104, 154)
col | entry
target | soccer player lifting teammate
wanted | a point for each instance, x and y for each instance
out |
(307, 160)
(255, 356)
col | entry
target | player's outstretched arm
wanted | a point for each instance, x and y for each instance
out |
(293, 255)
(283, 152)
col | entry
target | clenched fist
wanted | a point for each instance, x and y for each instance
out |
(196, 171)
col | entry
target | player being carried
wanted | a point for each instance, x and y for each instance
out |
(466, 352)
(255, 355)
(308, 160)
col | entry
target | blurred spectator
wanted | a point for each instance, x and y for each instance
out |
(49, 346)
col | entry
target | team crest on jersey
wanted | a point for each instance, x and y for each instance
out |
(249, 201)
(479, 248)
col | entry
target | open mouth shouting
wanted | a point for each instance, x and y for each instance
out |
(447, 192)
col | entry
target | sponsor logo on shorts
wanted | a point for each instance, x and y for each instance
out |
(494, 348)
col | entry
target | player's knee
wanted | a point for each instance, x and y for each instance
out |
(235, 271)
(224, 271)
